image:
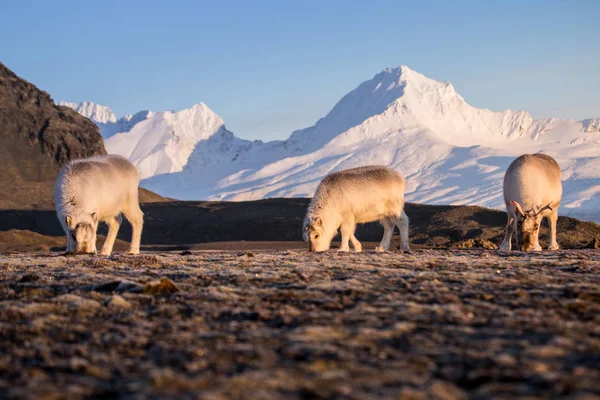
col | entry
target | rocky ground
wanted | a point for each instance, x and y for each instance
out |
(288, 324)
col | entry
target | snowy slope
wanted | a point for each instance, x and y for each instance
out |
(95, 112)
(162, 142)
(450, 152)
(104, 117)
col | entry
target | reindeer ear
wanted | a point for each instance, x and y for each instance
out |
(318, 222)
(68, 220)
(94, 217)
(518, 208)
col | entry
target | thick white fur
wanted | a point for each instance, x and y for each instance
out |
(358, 195)
(106, 186)
(534, 182)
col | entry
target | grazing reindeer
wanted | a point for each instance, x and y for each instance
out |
(98, 189)
(352, 196)
(532, 190)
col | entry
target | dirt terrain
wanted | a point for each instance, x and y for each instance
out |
(289, 324)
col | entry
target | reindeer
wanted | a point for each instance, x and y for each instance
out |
(532, 191)
(98, 189)
(359, 195)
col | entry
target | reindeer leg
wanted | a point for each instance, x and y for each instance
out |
(552, 218)
(113, 228)
(510, 227)
(347, 231)
(388, 231)
(402, 223)
(356, 244)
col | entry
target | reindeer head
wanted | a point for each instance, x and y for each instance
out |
(315, 235)
(82, 229)
(528, 225)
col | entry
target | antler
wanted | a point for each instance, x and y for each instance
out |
(547, 206)
(518, 208)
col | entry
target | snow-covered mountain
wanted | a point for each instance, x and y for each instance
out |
(105, 118)
(162, 142)
(450, 152)
(94, 112)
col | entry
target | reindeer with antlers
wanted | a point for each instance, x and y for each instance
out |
(532, 191)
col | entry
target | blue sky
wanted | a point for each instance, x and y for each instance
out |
(269, 67)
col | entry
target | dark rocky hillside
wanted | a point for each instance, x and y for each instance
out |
(36, 138)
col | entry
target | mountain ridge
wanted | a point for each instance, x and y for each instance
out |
(450, 151)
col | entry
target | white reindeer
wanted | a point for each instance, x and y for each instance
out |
(357, 195)
(532, 190)
(98, 189)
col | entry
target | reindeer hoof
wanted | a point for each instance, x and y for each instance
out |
(504, 248)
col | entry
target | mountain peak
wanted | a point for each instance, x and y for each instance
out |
(401, 70)
(94, 112)
(375, 96)
(197, 108)
(162, 142)
(591, 125)
(198, 115)
(200, 105)
(402, 73)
